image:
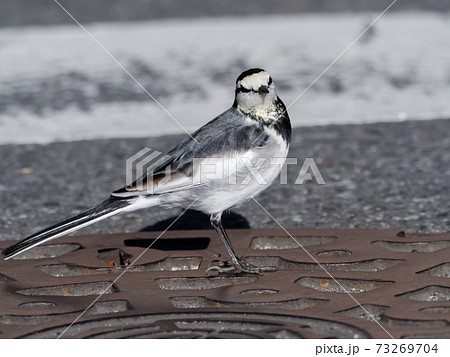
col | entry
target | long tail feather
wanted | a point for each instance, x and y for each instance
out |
(105, 209)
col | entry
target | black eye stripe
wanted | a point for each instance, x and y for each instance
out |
(244, 90)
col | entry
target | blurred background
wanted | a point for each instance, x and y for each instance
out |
(56, 82)
(375, 123)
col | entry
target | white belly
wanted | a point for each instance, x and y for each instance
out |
(243, 177)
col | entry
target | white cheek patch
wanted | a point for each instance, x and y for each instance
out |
(254, 81)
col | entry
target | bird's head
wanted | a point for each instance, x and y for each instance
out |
(254, 91)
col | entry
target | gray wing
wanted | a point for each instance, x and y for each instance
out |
(229, 133)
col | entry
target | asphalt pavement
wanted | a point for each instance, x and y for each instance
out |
(383, 175)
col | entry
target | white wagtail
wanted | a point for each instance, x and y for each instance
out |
(256, 128)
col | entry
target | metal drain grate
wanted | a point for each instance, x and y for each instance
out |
(402, 280)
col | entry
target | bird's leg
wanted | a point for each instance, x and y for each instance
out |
(216, 221)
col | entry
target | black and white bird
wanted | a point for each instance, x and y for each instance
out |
(245, 139)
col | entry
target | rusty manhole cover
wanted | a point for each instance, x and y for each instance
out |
(399, 279)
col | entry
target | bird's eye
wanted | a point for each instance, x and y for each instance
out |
(270, 81)
(244, 90)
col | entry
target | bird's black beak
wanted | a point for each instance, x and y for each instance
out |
(263, 90)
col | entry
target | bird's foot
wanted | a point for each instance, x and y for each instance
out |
(253, 269)
(220, 267)
(239, 264)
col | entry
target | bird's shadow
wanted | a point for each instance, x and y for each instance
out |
(190, 220)
(195, 220)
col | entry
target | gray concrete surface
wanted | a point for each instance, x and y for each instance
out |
(45, 12)
(56, 84)
(384, 175)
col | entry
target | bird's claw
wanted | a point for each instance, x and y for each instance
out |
(220, 267)
(240, 264)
